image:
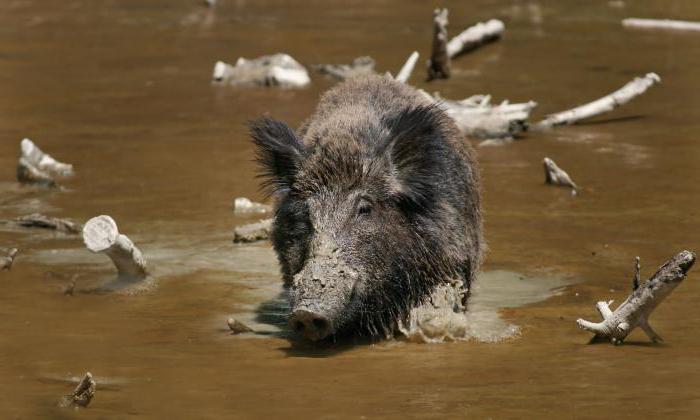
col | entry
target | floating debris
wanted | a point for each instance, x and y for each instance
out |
(360, 66)
(478, 119)
(270, 70)
(636, 309)
(101, 235)
(9, 258)
(237, 327)
(82, 395)
(554, 175)
(244, 205)
(37, 220)
(475, 36)
(253, 232)
(37, 168)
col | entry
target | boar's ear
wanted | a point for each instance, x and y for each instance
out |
(279, 153)
(415, 148)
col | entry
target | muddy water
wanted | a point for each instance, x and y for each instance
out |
(121, 90)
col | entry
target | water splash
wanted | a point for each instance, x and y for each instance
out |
(443, 318)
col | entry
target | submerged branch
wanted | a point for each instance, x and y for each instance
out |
(101, 235)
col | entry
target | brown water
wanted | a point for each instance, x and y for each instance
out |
(121, 90)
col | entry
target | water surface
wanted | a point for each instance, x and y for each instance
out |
(121, 90)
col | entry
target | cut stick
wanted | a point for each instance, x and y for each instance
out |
(554, 175)
(9, 258)
(679, 25)
(407, 69)
(253, 232)
(635, 311)
(269, 70)
(439, 63)
(474, 37)
(605, 104)
(360, 66)
(101, 235)
(478, 119)
(83, 393)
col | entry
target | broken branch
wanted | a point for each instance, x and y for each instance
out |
(439, 63)
(269, 70)
(253, 232)
(681, 25)
(360, 66)
(83, 393)
(477, 118)
(605, 104)
(36, 167)
(635, 311)
(554, 175)
(101, 235)
(7, 260)
(474, 37)
(37, 220)
(407, 69)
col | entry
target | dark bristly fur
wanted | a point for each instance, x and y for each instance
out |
(377, 204)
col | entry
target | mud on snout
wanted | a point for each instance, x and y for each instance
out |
(321, 294)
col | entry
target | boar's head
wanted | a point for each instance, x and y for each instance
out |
(358, 224)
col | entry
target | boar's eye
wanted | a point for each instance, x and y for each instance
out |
(364, 208)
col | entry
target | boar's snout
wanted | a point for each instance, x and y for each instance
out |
(312, 325)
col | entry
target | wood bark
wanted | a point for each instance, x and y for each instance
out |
(101, 235)
(636, 309)
(605, 104)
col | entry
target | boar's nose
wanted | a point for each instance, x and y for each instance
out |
(310, 324)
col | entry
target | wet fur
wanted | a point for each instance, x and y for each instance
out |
(376, 140)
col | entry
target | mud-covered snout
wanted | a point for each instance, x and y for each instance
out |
(321, 291)
(311, 324)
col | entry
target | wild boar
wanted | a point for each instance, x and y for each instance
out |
(377, 203)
